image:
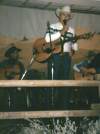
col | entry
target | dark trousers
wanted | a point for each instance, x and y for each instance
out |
(12, 99)
(61, 65)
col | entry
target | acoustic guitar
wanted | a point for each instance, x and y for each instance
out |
(10, 72)
(85, 74)
(43, 50)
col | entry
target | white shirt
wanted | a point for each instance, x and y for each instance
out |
(55, 34)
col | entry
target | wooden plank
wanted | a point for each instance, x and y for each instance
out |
(48, 114)
(48, 83)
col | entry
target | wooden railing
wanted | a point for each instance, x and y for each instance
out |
(48, 83)
(49, 114)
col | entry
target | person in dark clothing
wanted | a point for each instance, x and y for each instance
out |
(12, 68)
(82, 68)
(95, 63)
(92, 61)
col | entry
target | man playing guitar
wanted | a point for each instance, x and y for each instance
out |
(59, 60)
(12, 68)
(83, 70)
(61, 31)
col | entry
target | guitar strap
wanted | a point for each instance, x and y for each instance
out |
(68, 37)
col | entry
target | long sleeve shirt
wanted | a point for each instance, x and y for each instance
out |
(77, 67)
(54, 33)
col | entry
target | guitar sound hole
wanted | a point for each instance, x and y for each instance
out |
(48, 50)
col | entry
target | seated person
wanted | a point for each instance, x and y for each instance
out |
(91, 62)
(83, 68)
(95, 63)
(12, 68)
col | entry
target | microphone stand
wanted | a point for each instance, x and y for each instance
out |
(25, 72)
(52, 65)
(23, 76)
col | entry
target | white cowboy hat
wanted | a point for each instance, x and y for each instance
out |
(65, 9)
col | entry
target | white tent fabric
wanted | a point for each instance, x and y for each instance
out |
(19, 22)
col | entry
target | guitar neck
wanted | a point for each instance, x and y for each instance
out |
(82, 36)
(86, 35)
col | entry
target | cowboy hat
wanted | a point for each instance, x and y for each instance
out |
(11, 50)
(65, 9)
(90, 54)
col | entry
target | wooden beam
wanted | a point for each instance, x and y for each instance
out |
(49, 83)
(49, 114)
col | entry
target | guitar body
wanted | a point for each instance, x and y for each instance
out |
(10, 72)
(43, 50)
(42, 57)
(88, 74)
(78, 76)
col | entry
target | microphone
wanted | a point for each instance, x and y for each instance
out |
(48, 26)
(65, 21)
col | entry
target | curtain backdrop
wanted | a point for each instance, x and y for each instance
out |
(20, 22)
